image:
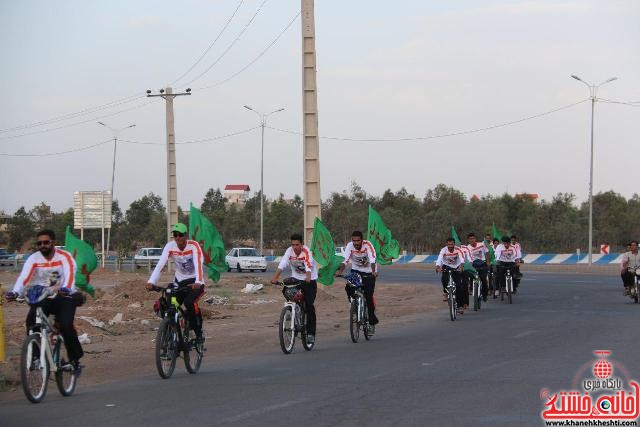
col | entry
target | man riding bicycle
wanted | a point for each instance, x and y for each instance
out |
(189, 278)
(362, 257)
(451, 259)
(56, 269)
(480, 259)
(303, 267)
(630, 262)
(507, 258)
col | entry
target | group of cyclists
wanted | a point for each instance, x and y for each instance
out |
(486, 258)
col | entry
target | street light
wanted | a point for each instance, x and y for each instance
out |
(113, 171)
(263, 123)
(593, 92)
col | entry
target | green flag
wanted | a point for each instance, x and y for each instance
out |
(456, 239)
(492, 253)
(324, 253)
(86, 261)
(379, 235)
(496, 233)
(205, 233)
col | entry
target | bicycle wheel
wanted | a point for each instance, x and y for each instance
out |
(365, 320)
(452, 305)
(635, 297)
(476, 295)
(509, 290)
(65, 378)
(285, 331)
(166, 348)
(34, 372)
(192, 352)
(354, 327)
(305, 344)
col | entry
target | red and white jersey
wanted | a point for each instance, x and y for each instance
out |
(509, 254)
(187, 263)
(452, 259)
(361, 260)
(37, 270)
(518, 248)
(477, 252)
(466, 253)
(299, 264)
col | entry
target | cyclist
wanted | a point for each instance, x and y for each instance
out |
(630, 262)
(507, 259)
(303, 267)
(362, 257)
(516, 244)
(480, 260)
(189, 278)
(467, 275)
(451, 259)
(54, 268)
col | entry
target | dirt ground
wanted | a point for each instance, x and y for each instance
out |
(235, 323)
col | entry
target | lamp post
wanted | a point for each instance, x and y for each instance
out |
(113, 169)
(263, 123)
(593, 92)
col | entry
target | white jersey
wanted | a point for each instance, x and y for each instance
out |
(299, 264)
(478, 252)
(361, 260)
(509, 254)
(451, 259)
(37, 270)
(518, 249)
(466, 253)
(187, 263)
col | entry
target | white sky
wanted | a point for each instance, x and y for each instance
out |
(385, 70)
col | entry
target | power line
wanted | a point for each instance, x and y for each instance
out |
(75, 150)
(630, 103)
(206, 51)
(222, 55)
(254, 60)
(445, 135)
(76, 123)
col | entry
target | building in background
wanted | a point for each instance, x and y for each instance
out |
(236, 193)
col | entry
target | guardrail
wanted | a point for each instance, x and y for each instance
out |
(535, 259)
(114, 264)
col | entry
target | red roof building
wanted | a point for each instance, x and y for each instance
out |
(236, 193)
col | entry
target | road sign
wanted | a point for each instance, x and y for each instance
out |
(604, 249)
(91, 209)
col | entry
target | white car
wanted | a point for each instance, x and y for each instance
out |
(245, 259)
(340, 251)
(147, 257)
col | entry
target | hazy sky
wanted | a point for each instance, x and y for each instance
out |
(386, 70)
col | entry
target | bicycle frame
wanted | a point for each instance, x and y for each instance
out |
(45, 348)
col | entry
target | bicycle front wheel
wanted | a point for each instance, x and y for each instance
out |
(34, 372)
(193, 351)
(476, 295)
(286, 332)
(308, 346)
(510, 291)
(65, 378)
(452, 305)
(354, 327)
(166, 348)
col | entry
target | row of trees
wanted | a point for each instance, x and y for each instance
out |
(419, 225)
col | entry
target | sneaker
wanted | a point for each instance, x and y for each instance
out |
(372, 329)
(77, 368)
(311, 339)
(496, 294)
(460, 311)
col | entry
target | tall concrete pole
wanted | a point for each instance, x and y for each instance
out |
(172, 185)
(311, 151)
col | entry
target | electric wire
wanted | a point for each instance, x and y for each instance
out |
(444, 135)
(75, 150)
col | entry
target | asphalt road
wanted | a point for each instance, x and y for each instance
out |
(486, 369)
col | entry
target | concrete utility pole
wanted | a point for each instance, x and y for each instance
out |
(311, 151)
(172, 186)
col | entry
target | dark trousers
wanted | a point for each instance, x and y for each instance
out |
(457, 279)
(627, 278)
(189, 297)
(64, 310)
(309, 291)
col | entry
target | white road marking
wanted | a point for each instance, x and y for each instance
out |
(261, 411)
(525, 333)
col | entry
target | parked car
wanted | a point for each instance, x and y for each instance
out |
(245, 259)
(146, 256)
(340, 251)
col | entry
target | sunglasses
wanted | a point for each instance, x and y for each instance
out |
(43, 242)
(177, 234)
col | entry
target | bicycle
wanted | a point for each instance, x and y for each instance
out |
(634, 293)
(358, 312)
(475, 287)
(451, 296)
(491, 283)
(43, 352)
(175, 335)
(508, 288)
(293, 317)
